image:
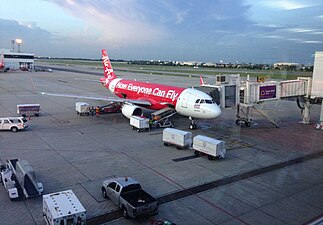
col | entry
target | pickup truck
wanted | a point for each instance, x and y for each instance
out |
(13, 123)
(129, 197)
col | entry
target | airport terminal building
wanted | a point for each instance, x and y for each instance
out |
(18, 60)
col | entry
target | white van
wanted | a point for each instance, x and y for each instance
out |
(13, 123)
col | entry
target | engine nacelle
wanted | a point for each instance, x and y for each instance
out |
(131, 110)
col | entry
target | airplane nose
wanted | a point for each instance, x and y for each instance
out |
(215, 111)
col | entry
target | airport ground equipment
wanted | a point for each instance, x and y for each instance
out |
(63, 208)
(19, 174)
(28, 109)
(161, 118)
(179, 138)
(82, 108)
(13, 123)
(128, 195)
(139, 123)
(213, 148)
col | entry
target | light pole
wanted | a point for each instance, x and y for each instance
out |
(13, 45)
(18, 41)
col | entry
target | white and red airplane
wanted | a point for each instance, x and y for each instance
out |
(133, 95)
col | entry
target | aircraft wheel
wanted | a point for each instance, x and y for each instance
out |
(248, 124)
(104, 193)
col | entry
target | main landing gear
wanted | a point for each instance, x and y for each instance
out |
(193, 125)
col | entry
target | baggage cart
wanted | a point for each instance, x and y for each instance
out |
(212, 147)
(179, 138)
(82, 108)
(28, 109)
(139, 123)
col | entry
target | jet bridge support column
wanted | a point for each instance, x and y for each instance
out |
(319, 125)
(306, 112)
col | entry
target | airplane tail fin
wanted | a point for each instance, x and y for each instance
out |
(107, 67)
(201, 81)
(1, 60)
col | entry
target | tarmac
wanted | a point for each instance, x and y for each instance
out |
(269, 175)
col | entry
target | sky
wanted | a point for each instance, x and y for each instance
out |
(237, 31)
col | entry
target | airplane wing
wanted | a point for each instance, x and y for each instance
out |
(107, 99)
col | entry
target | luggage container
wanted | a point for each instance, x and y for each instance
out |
(139, 123)
(82, 108)
(212, 147)
(63, 208)
(181, 139)
(28, 109)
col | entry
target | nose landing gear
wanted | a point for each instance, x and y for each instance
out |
(193, 125)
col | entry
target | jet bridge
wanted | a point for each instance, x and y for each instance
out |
(251, 95)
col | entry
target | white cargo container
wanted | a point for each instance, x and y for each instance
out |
(82, 108)
(63, 208)
(139, 123)
(212, 147)
(179, 138)
(28, 109)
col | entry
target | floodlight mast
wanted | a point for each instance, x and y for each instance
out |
(18, 41)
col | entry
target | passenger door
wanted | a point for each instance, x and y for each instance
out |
(6, 125)
(111, 192)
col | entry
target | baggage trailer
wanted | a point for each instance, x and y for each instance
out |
(181, 139)
(82, 108)
(28, 109)
(212, 147)
(63, 208)
(139, 123)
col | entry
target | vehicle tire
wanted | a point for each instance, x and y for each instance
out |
(166, 144)
(77, 112)
(210, 157)
(104, 193)
(248, 124)
(179, 148)
(196, 153)
(191, 127)
(238, 123)
(125, 212)
(36, 114)
(14, 129)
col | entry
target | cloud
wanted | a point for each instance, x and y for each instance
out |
(117, 23)
(286, 4)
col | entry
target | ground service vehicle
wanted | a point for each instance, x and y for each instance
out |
(13, 123)
(28, 109)
(129, 196)
(212, 147)
(181, 139)
(63, 208)
(20, 179)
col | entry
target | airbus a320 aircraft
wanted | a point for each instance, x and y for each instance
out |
(133, 95)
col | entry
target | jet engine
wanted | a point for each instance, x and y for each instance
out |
(131, 110)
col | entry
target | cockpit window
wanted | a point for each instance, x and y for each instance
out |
(202, 101)
(208, 101)
(197, 101)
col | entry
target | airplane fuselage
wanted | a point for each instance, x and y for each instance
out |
(186, 101)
